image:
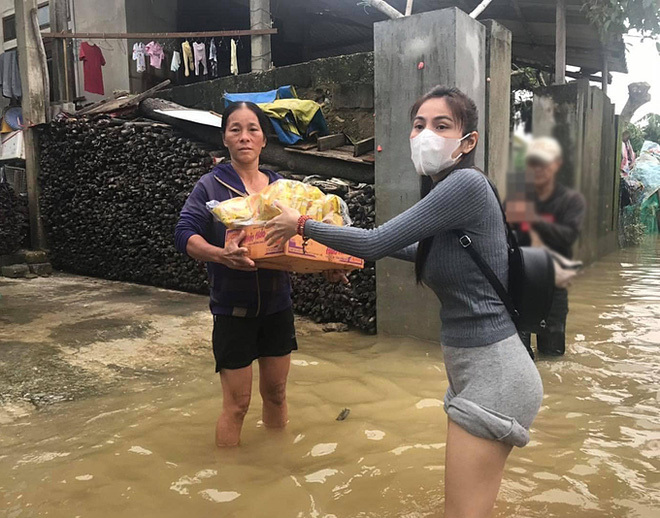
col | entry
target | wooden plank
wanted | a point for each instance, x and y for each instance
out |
(118, 104)
(304, 145)
(155, 35)
(364, 146)
(331, 141)
(338, 154)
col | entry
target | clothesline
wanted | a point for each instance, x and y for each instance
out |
(156, 35)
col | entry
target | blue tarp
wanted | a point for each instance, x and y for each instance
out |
(288, 125)
(283, 92)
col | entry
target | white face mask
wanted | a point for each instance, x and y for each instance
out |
(432, 153)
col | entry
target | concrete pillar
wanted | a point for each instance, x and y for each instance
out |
(451, 47)
(260, 18)
(497, 137)
(34, 79)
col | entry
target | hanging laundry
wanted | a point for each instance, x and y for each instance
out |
(188, 62)
(138, 57)
(93, 60)
(200, 58)
(176, 61)
(213, 58)
(234, 58)
(155, 52)
(10, 76)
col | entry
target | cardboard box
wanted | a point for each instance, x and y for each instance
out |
(292, 257)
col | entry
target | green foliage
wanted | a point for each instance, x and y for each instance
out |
(636, 137)
(524, 81)
(648, 128)
(613, 17)
(652, 129)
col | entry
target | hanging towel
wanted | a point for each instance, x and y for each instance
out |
(155, 52)
(200, 58)
(188, 62)
(213, 58)
(138, 57)
(234, 58)
(176, 61)
(10, 77)
(93, 60)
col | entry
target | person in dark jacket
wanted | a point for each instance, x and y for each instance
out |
(554, 218)
(252, 308)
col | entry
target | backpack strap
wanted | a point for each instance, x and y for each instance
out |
(497, 285)
(231, 189)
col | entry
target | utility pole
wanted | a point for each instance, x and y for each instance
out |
(260, 18)
(34, 102)
(59, 23)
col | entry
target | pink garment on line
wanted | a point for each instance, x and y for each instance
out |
(199, 50)
(155, 52)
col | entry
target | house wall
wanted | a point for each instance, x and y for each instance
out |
(102, 16)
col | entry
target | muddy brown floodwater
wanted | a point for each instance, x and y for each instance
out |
(136, 439)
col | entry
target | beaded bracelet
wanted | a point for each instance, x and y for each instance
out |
(301, 225)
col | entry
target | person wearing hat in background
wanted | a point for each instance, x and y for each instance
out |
(553, 219)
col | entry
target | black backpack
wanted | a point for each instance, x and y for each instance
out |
(531, 279)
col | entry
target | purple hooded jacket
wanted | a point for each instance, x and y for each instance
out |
(233, 292)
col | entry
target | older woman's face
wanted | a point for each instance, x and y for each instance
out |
(244, 137)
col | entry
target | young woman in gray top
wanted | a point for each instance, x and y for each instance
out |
(494, 389)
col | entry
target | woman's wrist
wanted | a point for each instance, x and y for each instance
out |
(302, 221)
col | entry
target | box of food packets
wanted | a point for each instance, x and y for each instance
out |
(294, 255)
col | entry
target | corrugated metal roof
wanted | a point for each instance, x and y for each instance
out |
(343, 23)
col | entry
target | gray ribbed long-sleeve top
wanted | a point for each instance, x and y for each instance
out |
(472, 314)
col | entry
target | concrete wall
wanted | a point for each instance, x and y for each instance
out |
(582, 119)
(149, 16)
(105, 16)
(452, 47)
(348, 80)
(496, 139)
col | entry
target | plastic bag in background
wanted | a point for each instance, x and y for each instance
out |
(259, 208)
(647, 169)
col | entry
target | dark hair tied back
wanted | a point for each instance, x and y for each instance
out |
(264, 123)
(466, 116)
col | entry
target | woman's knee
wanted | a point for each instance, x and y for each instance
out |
(274, 393)
(237, 405)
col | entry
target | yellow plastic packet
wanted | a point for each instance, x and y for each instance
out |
(260, 208)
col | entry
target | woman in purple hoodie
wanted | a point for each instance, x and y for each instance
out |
(252, 314)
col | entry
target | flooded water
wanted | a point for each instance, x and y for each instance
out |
(595, 449)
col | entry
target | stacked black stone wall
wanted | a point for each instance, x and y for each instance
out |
(111, 194)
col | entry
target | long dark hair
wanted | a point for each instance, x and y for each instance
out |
(466, 116)
(264, 123)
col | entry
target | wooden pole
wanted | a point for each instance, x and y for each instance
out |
(409, 6)
(560, 44)
(154, 35)
(59, 23)
(606, 72)
(385, 8)
(34, 104)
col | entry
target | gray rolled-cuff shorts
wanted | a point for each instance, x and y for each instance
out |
(495, 391)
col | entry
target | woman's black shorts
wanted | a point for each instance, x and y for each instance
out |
(238, 341)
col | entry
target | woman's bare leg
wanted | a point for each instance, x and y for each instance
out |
(273, 373)
(236, 393)
(473, 473)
